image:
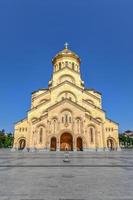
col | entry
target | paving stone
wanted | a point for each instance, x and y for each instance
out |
(44, 176)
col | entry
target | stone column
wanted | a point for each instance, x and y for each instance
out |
(74, 144)
(58, 144)
(48, 145)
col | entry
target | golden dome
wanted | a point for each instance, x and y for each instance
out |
(66, 53)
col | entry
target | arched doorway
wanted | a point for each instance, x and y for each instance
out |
(79, 144)
(53, 144)
(22, 144)
(111, 144)
(66, 142)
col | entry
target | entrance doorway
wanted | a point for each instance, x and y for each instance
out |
(22, 144)
(79, 144)
(111, 144)
(66, 142)
(53, 144)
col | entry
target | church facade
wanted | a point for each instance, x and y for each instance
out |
(66, 115)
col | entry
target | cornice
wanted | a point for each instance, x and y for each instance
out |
(64, 82)
(40, 119)
(87, 92)
(92, 119)
(87, 89)
(59, 55)
(20, 121)
(111, 121)
(68, 101)
(38, 106)
(39, 90)
(92, 105)
(38, 96)
(62, 69)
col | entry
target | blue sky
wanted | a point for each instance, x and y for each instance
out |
(33, 31)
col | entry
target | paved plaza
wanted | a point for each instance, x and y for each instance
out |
(44, 176)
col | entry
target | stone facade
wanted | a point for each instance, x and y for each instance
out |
(66, 115)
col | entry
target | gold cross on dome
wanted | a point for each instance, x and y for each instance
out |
(66, 45)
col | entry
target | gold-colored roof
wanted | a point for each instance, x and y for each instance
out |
(66, 53)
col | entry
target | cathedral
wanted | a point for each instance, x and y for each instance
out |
(66, 115)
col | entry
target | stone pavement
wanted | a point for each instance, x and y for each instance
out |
(44, 176)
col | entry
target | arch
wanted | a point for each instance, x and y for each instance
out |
(78, 125)
(111, 143)
(41, 135)
(43, 100)
(60, 65)
(53, 144)
(66, 142)
(79, 144)
(54, 118)
(66, 109)
(40, 125)
(92, 133)
(90, 101)
(99, 119)
(92, 125)
(34, 119)
(54, 125)
(66, 78)
(66, 116)
(77, 68)
(73, 66)
(67, 95)
(66, 64)
(21, 143)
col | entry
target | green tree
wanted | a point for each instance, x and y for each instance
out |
(6, 139)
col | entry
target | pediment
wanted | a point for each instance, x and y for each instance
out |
(69, 83)
(67, 103)
(74, 86)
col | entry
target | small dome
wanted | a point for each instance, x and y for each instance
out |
(66, 53)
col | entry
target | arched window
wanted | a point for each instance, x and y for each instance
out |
(40, 135)
(111, 144)
(54, 124)
(62, 119)
(77, 69)
(66, 117)
(78, 126)
(91, 135)
(67, 95)
(60, 66)
(55, 68)
(66, 64)
(73, 66)
(22, 144)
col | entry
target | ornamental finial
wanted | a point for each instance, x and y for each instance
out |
(66, 45)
